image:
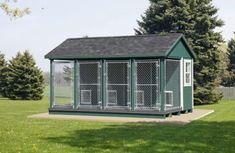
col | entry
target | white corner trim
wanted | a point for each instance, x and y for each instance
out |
(192, 83)
(182, 83)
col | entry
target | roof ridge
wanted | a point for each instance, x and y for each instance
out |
(127, 36)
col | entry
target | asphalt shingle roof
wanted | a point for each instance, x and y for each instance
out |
(122, 46)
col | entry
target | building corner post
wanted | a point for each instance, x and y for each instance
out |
(51, 84)
(103, 78)
(75, 84)
(133, 85)
(162, 84)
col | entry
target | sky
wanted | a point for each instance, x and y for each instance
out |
(53, 21)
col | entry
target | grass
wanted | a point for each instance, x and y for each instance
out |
(19, 134)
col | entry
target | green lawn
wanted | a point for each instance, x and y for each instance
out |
(19, 134)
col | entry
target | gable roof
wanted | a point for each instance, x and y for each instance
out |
(117, 47)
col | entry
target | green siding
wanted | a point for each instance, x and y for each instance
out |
(180, 50)
(187, 98)
(188, 94)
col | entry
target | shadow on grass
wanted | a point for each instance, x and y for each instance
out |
(198, 136)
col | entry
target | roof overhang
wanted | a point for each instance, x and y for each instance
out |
(148, 54)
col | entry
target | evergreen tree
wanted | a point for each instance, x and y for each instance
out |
(3, 75)
(25, 79)
(196, 19)
(229, 80)
(231, 51)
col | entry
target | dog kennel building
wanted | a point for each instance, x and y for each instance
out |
(126, 75)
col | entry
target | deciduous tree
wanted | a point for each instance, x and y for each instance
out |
(13, 12)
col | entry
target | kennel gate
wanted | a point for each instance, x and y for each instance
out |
(147, 95)
(89, 84)
(118, 85)
(173, 84)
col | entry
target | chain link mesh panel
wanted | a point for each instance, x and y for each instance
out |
(118, 85)
(172, 92)
(89, 84)
(63, 83)
(147, 85)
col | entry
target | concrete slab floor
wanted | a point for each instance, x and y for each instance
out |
(175, 119)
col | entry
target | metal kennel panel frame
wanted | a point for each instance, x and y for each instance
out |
(118, 85)
(172, 84)
(89, 84)
(63, 84)
(147, 84)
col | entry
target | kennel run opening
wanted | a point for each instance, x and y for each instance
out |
(151, 74)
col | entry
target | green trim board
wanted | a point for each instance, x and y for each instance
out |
(103, 57)
(162, 83)
(133, 84)
(106, 114)
(114, 113)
